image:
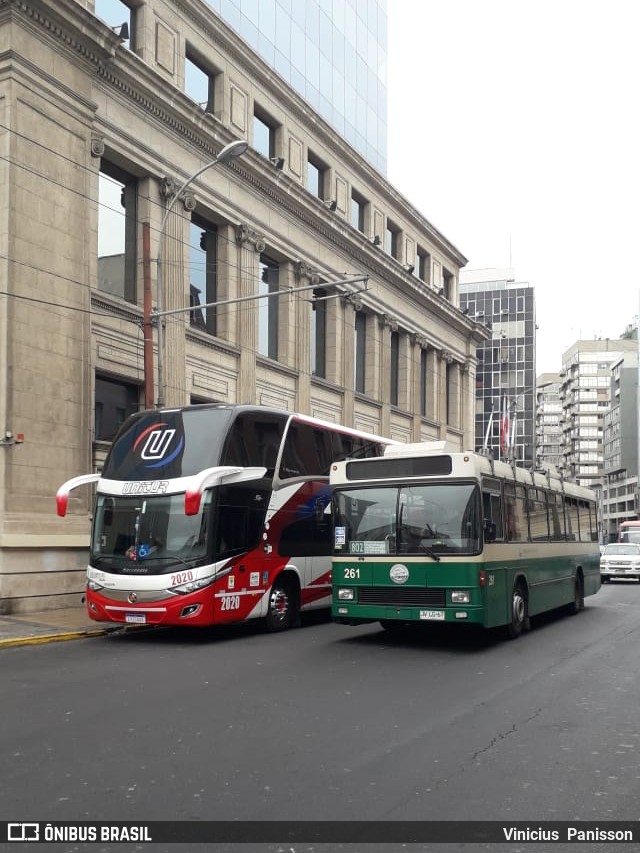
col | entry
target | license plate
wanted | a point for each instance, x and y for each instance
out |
(432, 615)
(138, 618)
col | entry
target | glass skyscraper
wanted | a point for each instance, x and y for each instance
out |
(332, 52)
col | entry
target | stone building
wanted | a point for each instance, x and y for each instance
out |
(96, 138)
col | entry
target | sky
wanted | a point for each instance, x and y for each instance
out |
(513, 128)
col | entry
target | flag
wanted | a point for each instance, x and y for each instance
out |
(504, 426)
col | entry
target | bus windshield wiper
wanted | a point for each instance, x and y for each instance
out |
(429, 550)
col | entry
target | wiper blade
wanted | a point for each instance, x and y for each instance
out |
(428, 550)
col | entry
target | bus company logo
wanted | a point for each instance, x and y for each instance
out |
(158, 445)
(23, 832)
(399, 573)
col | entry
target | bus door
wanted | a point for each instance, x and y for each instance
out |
(305, 545)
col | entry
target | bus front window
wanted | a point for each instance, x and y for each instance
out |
(442, 517)
(153, 533)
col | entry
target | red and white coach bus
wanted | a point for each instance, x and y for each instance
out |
(214, 514)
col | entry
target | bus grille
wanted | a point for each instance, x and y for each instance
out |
(401, 596)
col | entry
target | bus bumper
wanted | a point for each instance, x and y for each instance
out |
(195, 609)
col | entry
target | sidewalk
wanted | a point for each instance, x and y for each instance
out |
(67, 623)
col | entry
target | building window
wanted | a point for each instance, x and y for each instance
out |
(358, 208)
(395, 368)
(268, 308)
(392, 240)
(117, 226)
(422, 265)
(114, 401)
(360, 345)
(203, 274)
(447, 284)
(264, 134)
(317, 177)
(319, 333)
(423, 383)
(115, 13)
(201, 83)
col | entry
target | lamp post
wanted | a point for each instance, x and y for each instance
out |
(233, 149)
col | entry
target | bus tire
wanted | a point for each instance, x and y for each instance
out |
(282, 609)
(519, 611)
(578, 596)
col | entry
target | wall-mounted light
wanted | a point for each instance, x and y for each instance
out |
(408, 268)
(331, 204)
(8, 439)
(376, 240)
(278, 163)
(122, 31)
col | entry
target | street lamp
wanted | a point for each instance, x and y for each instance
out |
(228, 153)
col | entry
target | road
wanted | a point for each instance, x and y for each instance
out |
(330, 722)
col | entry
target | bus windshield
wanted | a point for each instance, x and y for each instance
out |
(431, 518)
(148, 534)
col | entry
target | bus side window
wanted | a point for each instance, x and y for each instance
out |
(254, 440)
(306, 537)
(492, 512)
(571, 516)
(241, 513)
(515, 515)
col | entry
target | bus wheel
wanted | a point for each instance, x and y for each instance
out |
(283, 606)
(519, 611)
(578, 596)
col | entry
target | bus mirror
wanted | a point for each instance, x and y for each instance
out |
(489, 531)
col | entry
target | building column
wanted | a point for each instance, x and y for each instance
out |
(468, 406)
(441, 391)
(300, 350)
(249, 244)
(351, 305)
(386, 325)
(416, 345)
(175, 295)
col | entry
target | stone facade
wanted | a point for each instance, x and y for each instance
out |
(72, 98)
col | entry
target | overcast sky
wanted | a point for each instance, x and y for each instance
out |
(513, 127)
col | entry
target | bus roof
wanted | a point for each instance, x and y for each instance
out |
(248, 407)
(462, 464)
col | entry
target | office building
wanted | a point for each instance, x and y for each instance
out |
(620, 447)
(547, 419)
(505, 377)
(585, 393)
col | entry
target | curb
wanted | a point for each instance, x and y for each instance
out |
(52, 638)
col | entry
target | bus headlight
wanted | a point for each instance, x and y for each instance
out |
(92, 585)
(460, 596)
(192, 586)
(346, 594)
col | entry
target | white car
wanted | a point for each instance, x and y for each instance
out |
(620, 560)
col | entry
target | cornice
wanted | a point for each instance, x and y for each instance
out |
(63, 21)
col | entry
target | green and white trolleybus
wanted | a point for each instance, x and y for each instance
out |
(424, 535)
